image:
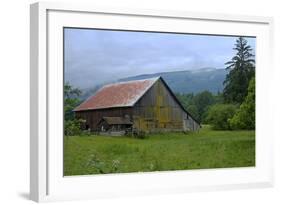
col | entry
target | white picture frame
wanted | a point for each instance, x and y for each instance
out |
(47, 182)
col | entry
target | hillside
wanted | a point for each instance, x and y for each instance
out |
(190, 81)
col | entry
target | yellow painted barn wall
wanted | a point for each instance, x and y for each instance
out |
(158, 110)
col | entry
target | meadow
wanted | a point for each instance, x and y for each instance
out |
(93, 154)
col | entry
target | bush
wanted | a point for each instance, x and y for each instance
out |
(219, 114)
(245, 116)
(72, 127)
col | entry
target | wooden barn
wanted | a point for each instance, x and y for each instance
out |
(145, 105)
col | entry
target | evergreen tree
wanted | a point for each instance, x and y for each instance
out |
(244, 118)
(241, 69)
(203, 101)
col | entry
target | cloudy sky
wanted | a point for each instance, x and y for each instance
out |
(94, 57)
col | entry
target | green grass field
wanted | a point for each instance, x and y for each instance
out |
(170, 151)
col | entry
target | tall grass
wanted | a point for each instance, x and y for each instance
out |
(167, 151)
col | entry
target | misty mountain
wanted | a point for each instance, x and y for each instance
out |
(190, 81)
(187, 81)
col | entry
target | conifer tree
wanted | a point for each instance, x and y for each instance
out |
(241, 70)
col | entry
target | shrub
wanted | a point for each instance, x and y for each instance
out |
(244, 118)
(219, 114)
(72, 127)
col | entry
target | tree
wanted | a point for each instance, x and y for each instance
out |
(219, 114)
(70, 92)
(197, 105)
(185, 99)
(202, 101)
(241, 69)
(244, 118)
(192, 109)
(71, 100)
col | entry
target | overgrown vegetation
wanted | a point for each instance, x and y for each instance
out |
(71, 100)
(244, 118)
(73, 127)
(198, 104)
(167, 151)
(219, 116)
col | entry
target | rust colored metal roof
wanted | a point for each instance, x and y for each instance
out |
(122, 94)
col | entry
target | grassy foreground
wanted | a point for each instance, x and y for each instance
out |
(170, 151)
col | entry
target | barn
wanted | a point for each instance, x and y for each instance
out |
(147, 105)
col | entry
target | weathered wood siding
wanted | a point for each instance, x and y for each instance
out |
(158, 110)
(190, 124)
(93, 117)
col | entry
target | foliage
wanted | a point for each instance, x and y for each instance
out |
(70, 92)
(203, 100)
(185, 99)
(219, 98)
(241, 69)
(166, 151)
(219, 114)
(95, 163)
(72, 127)
(193, 110)
(198, 105)
(69, 105)
(71, 100)
(244, 118)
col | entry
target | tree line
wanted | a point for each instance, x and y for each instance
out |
(234, 108)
